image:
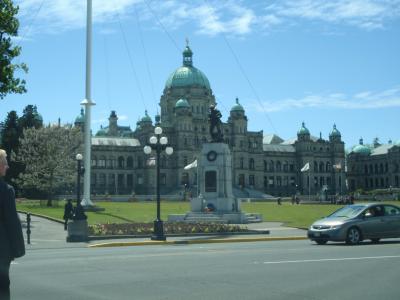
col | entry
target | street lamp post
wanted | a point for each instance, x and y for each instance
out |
(79, 212)
(158, 143)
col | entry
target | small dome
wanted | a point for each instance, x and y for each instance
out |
(81, 118)
(303, 129)
(101, 132)
(335, 132)
(397, 143)
(146, 118)
(182, 103)
(362, 149)
(237, 106)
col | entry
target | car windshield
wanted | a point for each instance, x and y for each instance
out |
(347, 211)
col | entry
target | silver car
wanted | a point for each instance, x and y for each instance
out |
(357, 222)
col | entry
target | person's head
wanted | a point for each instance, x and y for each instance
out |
(3, 163)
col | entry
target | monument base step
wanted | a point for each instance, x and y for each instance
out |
(221, 218)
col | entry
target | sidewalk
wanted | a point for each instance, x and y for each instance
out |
(49, 234)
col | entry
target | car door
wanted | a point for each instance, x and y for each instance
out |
(371, 224)
(392, 221)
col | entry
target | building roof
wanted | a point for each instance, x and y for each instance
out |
(278, 148)
(112, 141)
(272, 139)
(382, 149)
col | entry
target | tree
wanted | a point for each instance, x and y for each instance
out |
(9, 28)
(48, 154)
(30, 118)
(10, 142)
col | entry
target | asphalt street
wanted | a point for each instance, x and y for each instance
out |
(254, 270)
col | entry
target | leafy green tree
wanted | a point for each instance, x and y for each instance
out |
(9, 28)
(48, 154)
(10, 142)
(30, 118)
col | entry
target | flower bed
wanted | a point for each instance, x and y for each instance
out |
(169, 228)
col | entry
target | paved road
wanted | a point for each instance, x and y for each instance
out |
(262, 270)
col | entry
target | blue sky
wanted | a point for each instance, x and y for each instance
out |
(321, 62)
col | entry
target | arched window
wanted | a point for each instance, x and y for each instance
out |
(315, 166)
(381, 168)
(321, 167)
(366, 171)
(102, 162)
(271, 166)
(94, 161)
(129, 162)
(278, 166)
(328, 166)
(371, 169)
(121, 162)
(251, 164)
(265, 166)
(285, 166)
(241, 160)
(376, 169)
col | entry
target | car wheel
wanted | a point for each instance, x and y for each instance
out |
(375, 241)
(321, 242)
(353, 236)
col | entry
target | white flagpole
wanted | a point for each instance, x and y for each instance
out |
(88, 103)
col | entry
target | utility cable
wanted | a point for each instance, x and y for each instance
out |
(131, 62)
(145, 56)
(245, 76)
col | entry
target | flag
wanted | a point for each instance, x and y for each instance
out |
(151, 161)
(306, 167)
(191, 165)
(338, 166)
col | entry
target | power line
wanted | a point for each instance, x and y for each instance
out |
(245, 75)
(145, 56)
(131, 61)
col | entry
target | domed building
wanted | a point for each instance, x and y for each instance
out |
(375, 166)
(261, 164)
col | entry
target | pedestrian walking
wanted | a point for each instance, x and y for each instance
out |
(68, 212)
(11, 238)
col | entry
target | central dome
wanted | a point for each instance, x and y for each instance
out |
(187, 75)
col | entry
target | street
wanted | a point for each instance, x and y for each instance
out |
(259, 270)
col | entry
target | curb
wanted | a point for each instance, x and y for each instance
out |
(41, 216)
(207, 241)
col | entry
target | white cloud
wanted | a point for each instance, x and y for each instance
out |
(365, 14)
(210, 17)
(363, 100)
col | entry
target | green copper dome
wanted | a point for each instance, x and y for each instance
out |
(187, 75)
(397, 143)
(237, 106)
(182, 103)
(101, 132)
(303, 129)
(334, 131)
(362, 149)
(81, 118)
(146, 118)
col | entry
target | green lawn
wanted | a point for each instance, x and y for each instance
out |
(300, 216)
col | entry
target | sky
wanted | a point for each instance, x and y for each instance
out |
(288, 61)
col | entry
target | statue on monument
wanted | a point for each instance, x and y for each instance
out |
(214, 118)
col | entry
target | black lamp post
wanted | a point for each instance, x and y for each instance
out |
(79, 212)
(158, 143)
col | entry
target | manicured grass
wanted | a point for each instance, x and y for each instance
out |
(301, 216)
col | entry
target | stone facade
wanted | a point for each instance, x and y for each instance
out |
(261, 164)
(375, 166)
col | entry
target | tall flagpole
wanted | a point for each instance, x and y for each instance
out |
(309, 182)
(87, 102)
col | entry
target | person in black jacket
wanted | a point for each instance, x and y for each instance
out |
(12, 243)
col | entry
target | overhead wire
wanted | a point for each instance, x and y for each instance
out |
(145, 56)
(245, 75)
(131, 61)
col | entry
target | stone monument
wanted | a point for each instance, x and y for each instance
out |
(215, 201)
